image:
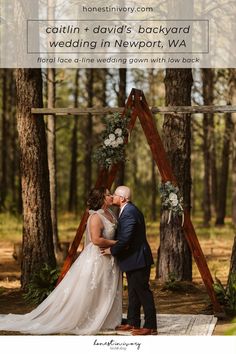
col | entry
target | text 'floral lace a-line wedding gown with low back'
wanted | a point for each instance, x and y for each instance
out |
(88, 299)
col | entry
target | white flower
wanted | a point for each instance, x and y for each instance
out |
(108, 160)
(114, 144)
(120, 141)
(112, 137)
(173, 196)
(118, 131)
(173, 199)
(107, 142)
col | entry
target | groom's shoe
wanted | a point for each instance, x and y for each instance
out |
(144, 332)
(126, 327)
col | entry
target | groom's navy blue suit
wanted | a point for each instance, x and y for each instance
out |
(135, 258)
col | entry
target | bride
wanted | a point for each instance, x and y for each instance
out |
(89, 298)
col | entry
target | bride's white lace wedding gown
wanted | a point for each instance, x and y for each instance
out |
(88, 299)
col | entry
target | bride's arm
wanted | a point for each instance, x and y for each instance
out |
(96, 228)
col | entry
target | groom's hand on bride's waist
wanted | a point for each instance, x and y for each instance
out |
(105, 251)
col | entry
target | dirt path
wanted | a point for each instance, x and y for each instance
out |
(192, 299)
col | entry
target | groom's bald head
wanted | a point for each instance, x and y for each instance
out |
(121, 195)
(124, 192)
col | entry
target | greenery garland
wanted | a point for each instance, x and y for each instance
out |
(112, 148)
(172, 200)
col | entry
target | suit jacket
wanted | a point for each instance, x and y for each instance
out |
(132, 249)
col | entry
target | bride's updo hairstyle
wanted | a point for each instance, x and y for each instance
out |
(96, 198)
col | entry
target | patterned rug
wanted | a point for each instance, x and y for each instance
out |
(179, 325)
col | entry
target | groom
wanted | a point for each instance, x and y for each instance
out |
(135, 258)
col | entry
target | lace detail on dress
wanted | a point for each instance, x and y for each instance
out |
(89, 297)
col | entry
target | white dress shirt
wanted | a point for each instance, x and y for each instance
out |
(121, 210)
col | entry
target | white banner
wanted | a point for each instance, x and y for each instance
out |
(118, 344)
(125, 33)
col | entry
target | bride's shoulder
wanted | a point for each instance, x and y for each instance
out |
(99, 211)
(95, 215)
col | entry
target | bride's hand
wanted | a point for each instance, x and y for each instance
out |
(105, 251)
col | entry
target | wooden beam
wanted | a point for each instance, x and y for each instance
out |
(161, 159)
(154, 110)
(77, 111)
(193, 109)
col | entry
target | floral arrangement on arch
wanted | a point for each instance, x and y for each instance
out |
(172, 200)
(112, 148)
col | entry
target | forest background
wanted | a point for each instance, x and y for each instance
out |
(201, 149)
(96, 87)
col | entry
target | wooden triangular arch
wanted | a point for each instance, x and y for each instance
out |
(137, 106)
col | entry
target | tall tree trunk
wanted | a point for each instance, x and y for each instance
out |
(194, 158)
(233, 102)
(14, 151)
(214, 172)
(73, 191)
(224, 174)
(134, 165)
(100, 87)
(37, 226)
(121, 103)
(154, 192)
(88, 135)
(206, 200)
(174, 255)
(152, 85)
(4, 140)
(104, 87)
(122, 87)
(51, 128)
(207, 81)
(51, 137)
(232, 95)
